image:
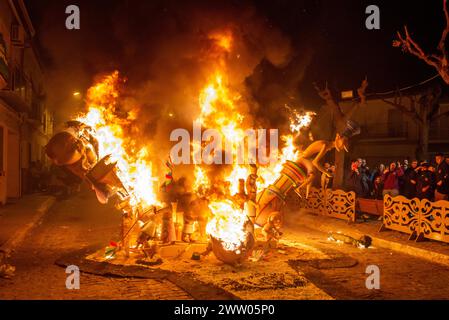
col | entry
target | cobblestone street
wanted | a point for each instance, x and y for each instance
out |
(70, 225)
(337, 270)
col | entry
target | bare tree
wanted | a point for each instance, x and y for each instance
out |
(340, 119)
(437, 60)
(422, 109)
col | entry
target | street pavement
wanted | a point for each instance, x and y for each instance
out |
(81, 222)
(70, 225)
(402, 276)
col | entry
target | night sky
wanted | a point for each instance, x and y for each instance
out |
(342, 50)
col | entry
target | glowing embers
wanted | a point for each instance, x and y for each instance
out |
(230, 231)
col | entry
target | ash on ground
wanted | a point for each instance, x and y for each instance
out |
(266, 275)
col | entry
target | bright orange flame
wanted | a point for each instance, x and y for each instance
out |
(224, 40)
(201, 180)
(219, 109)
(227, 224)
(300, 120)
(133, 167)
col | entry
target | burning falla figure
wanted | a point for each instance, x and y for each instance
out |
(300, 174)
(75, 149)
(313, 154)
(271, 229)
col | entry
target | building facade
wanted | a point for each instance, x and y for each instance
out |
(25, 122)
(387, 134)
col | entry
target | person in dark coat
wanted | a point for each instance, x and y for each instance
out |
(426, 179)
(410, 180)
(441, 178)
(378, 188)
(365, 179)
(378, 172)
(354, 180)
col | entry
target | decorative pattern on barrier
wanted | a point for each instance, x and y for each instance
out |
(434, 220)
(314, 202)
(401, 214)
(337, 203)
(419, 218)
(340, 204)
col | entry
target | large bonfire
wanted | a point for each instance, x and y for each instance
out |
(218, 108)
(134, 168)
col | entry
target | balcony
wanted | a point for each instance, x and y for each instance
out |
(384, 131)
(19, 92)
(15, 100)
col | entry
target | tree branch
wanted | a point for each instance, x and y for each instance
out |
(442, 44)
(438, 61)
(408, 44)
(361, 91)
(326, 95)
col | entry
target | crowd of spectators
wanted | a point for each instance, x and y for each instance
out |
(419, 179)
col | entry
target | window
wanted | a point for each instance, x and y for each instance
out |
(395, 123)
(15, 32)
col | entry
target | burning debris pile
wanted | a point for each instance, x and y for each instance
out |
(231, 206)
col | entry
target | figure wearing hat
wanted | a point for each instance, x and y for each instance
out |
(72, 149)
(313, 154)
(299, 174)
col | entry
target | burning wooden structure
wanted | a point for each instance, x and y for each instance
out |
(223, 206)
